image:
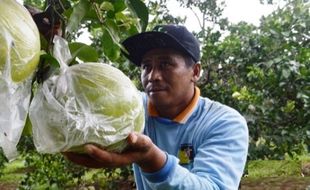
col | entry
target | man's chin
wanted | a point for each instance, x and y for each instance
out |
(158, 99)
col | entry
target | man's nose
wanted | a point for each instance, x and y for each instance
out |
(155, 74)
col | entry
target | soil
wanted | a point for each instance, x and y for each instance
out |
(276, 183)
(8, 186)
(270, 183)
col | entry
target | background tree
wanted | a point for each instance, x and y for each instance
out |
(108, 22)
(264, 72)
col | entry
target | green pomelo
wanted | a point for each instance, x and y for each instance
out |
(88, 103)
(19, 41)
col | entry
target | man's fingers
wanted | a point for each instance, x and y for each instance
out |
(97, 153)
(107, 159)
(95, 157)
(138, 141)
(81, 159)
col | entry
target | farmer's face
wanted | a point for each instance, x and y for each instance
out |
(166, 78)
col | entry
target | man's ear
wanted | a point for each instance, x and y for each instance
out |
(196, 72)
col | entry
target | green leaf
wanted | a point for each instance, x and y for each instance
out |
(77, 15)
(120, 16)
(290, 106)
(50, 60)
(91, 14)
(119, 5)
(107, 6)
(113, 31)
(28, 127)
(47, 67)
(112, 28)
(277, 60)
(138, 8)
(286, 73)
(268, 63)
(110, 49)
(286, 34)
(84, 52)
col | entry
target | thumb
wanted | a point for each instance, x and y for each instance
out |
(132, 138)
(139, 141)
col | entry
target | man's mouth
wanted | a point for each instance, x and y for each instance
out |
(155, 90)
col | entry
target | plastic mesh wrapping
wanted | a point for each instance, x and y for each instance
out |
(15, 99)
(86, 103)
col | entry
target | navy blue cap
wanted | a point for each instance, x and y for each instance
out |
(162, 36)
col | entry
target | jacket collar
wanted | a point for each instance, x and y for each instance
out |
(184, 115)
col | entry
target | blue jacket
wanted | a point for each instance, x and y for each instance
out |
(206, 147)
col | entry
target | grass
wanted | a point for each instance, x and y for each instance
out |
(262, 174)
(276, 174)
(13, 171)
(274, 168)
(277, 168)
(12, 174)
(276, 183)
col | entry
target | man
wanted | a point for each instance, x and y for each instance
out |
(189, 142)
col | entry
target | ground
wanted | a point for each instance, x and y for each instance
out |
(270, 183)
(261, 175)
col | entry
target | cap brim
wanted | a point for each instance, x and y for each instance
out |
(139, 44)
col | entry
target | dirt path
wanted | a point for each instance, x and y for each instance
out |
(8, 186)
(270, 183)
(276, 183)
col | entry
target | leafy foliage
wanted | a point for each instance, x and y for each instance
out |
(109, 22)
(47, 170)
(264, 73)
(3, 160)
(120, 178)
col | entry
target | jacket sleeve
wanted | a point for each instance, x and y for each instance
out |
(219, 161)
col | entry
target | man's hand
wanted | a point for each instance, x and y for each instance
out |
(140, 150)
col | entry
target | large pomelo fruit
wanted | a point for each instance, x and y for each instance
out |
(19, 41)
(87, 103)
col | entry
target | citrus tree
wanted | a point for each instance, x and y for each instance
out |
(264, 73)
(108, 22)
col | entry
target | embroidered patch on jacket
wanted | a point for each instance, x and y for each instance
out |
(186, 154)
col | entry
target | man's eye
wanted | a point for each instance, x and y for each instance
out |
(165, 63)
(144, 66)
